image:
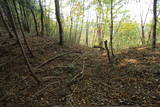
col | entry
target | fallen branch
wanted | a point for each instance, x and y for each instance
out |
(76, 59)
(41, 90)
(79, 76)
(52, 59)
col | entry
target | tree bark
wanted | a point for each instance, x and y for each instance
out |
(5, 23)
(20, 44)
(59, 22)
(35, 21)
(111, 29)
(42, 18)
(26, 21)
(108, 54)
(154, 24)
(19, 22)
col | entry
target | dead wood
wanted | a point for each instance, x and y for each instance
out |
(57, 56)
(43, 89)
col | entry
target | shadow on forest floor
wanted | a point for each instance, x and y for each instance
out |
(80, 79)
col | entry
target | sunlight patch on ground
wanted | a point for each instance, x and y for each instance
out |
(122, 64)
(134, 61)
(127, 61)
(141, 48)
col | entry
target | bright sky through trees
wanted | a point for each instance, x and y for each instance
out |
(133, 7)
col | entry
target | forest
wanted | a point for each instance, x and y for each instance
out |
(79, 53)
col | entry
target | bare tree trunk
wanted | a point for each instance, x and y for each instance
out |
(82, 21)
(149, 36)
(111, 29)
(76, 32)
(20, 44)
(59, 22)
(87, 30)
(48, 21)
(142, 31)
(42, 18)
(5, 23)
(80, 34)
(108, 54)
(154, 24)
(35, 21)
(70, 32)
(24, 37)
(24, 18)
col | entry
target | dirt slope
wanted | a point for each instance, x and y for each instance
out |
(81, 78)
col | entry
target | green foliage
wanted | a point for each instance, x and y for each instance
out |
(127, 37)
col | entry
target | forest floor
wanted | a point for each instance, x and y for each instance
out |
(84, 78)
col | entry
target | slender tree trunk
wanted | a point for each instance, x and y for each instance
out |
(59, 22)
(80, 34)
(48, 21)
(154, 24)
(149, 36)
(42, 18)
(76, 32)
(7, 13)
(23, 15)
(35, 21)
(87, 30)
(70, 31)
(106, 47)
(82, 21)
(19, 22)
(5, 23)
(143, 37)
(111, 29)
(25, 21)
(20, 44)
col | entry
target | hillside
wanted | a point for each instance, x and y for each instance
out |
(83, 76)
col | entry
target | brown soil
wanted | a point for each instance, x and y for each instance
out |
(85, 79)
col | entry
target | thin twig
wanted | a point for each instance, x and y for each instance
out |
(79, 74)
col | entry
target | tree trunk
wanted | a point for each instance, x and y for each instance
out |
(20, 44)
(87, 30)
(25, 21)
(24, 37)
(35, 21)
(76, 33)
(154, 24)
(111, 29)
(143, 37)
(70, 31)
(106, 47)
(42, 18)
(59, 22)
(5, 23)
